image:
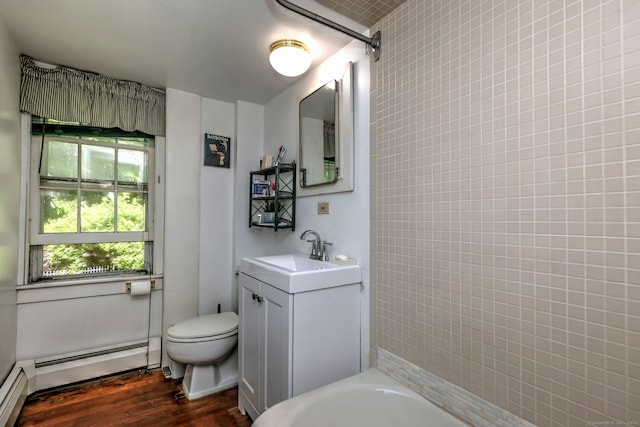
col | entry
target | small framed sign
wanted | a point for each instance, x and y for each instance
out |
(217, 150)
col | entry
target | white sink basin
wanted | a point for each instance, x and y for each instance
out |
(295, 263)
(298, 273)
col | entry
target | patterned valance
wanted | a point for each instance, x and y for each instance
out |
(70, 95)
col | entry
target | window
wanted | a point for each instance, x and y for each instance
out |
(91, 205)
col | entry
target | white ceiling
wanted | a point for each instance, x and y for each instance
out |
(214, 48)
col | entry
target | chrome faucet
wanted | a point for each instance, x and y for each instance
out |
(318, 247)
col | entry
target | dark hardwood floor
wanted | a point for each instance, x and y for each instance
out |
(130, 399)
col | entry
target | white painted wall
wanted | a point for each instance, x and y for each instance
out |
(347, 225)
(216, 279)
(9, 198)
(56, 320)
(250, 131)
(182, 208)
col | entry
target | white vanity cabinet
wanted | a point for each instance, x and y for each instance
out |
(290, 343)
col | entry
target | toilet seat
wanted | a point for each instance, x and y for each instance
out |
(204, 328)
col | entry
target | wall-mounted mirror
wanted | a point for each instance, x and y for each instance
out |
(325, 146)
(318, 155)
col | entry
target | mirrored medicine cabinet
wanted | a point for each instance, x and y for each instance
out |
(325, 144)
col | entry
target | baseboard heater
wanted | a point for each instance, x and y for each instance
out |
(13, 393)
(93, 363)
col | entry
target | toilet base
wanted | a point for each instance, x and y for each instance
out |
(203, 380)
(177, 369)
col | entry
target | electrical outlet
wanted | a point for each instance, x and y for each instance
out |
(323, 208)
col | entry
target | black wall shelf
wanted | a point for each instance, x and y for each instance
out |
(272, 197)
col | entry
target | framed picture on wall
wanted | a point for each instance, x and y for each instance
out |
(217, 150)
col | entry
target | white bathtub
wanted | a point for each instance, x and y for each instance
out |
(370, 399)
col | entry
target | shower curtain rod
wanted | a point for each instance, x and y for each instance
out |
(374, 43)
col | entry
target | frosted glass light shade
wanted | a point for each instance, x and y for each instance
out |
(290, 57)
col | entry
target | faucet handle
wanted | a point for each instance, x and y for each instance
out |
(325, 256)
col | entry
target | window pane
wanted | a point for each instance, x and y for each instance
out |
(138, 142)
(97, 211)
(61, 160)
(58, 211)
(64, 260)
(132, 208)
(98, 163)
(132, 166)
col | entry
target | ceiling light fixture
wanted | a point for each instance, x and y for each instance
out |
(290, 57)
(373, 44)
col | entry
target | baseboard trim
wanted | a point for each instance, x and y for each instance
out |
(13, 393)
(92, 363)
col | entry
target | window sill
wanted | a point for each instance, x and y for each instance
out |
(81, 288)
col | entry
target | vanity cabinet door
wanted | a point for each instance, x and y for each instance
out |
(249, 347)
(264, 346)
(277, 318)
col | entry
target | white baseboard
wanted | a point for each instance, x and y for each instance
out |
(79, 366)
(13, 393)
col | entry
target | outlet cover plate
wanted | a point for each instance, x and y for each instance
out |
(323, 208)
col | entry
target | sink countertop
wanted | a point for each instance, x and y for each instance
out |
(293, 273)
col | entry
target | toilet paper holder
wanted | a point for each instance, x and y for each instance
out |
(128, 286)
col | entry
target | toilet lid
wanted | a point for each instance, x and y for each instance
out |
(205, 326)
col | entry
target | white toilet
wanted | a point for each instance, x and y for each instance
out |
(207, 345)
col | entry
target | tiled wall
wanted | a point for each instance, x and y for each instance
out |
(506, 202)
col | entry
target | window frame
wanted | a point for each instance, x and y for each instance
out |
(36, 239)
